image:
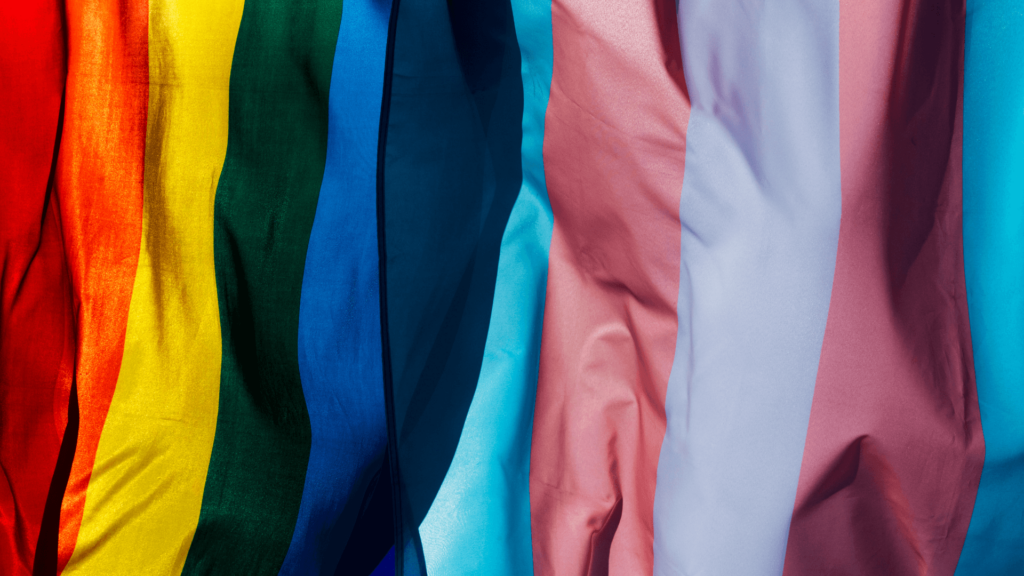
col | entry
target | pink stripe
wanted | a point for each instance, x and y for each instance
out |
(614, 150)
(894, 448)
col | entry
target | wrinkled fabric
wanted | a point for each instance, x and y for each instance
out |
(548, 286)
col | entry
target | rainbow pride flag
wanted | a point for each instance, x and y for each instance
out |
(510, 287)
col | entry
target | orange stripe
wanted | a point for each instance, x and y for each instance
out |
(99, 187)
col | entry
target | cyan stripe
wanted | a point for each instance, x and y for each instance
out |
(993, 205)
(479, 523)
(339, 314)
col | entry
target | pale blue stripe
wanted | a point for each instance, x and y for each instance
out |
(993, 204)
(760, 208)
(479, 523)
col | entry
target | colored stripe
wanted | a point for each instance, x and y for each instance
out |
(452, 172)
(479, 522)
(614, 160)
(993, 224)
(36, 350)
(143, 500)
(339, 314)
(894, 446)
(263, 213)
(100, 189)
(760, 212)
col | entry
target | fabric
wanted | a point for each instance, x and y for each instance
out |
(525, 286)
(189, 135)
(37, 343)
(993, 240)
(761, 156)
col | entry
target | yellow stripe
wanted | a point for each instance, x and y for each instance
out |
(143, 501)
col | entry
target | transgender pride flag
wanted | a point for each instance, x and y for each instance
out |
(512, 287)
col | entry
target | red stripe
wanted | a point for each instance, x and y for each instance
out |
(894, 448)
(99, 182)
(613, 153)
(35, 318)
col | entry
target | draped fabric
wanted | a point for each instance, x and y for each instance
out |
(561, 287)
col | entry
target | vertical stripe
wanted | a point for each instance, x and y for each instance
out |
(36, 350)
(146, 489)
(760, 211)
(479, 522)
(100, 187)
(339, 314)
(894, 446)
(452, 171)
(613, 151)
(993, 204)
(263, 213)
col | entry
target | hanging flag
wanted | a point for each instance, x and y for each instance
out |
(554, 287)
(210, 224)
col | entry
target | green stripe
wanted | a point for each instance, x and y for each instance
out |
(265, 202)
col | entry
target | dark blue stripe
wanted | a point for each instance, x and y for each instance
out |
(451, 174)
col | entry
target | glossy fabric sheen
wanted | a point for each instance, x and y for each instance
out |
(339, 313)
(613, 153)
(146, 489)
(993, 221)
(263, 213)
(479, 522)
(894, 445)
(99, 184)
(36, 346)
(760, 211)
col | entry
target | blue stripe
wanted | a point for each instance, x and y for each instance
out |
(479, 522)
(452, 171)
(339, 315)
(993, 201)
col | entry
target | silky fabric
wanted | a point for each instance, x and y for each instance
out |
(36, 345)
(561, 287)
(146, 489)
(99, 185)
(263, 213)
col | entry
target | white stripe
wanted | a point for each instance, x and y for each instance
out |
(760, 213)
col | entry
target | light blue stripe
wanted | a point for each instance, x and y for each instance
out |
(760, 210)
(479, 523)
(339, 313)
(993, 204)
